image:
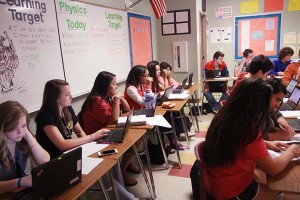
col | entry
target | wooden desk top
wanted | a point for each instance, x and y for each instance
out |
(216, 79)
(193, 88)
(131, 137)
(176, 108)
(288, 180)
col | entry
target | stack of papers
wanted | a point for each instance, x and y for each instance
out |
(183, 95)
(135, 120)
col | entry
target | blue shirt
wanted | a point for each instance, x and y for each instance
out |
(279, 66)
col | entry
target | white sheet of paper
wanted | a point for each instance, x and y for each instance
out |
(88, 164)
(183, 95)
(289, 113)
(158, 120)
(90, 148)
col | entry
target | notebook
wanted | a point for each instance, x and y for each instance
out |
(117, 135)
(290, 87)
(294, 123)
(165, 96)
(292, 102)
(180, 89)
(147, 112)
(54, 177)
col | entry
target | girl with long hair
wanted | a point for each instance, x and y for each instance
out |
(16, 145)
(57, 126)
(234, 145)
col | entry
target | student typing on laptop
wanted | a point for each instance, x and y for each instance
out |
(58, 129)
(17, 144)
(102, 107)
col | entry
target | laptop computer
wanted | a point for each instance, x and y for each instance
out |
(180, 89)
(290, 87)
(213, 73)
(190, 83)
(147, 112)
(165, 96)
(294, 123)
(54, 177)
(292, 101)
(117, 135)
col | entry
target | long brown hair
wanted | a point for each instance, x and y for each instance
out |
(52, 92)
(11, 112)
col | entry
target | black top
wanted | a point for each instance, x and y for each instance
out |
(46, 117)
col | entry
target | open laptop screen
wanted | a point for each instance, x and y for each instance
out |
(291, 86)
(295, 96)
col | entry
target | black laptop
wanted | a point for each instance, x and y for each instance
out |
(164, 97)
(54, 177)
(293, 101)
(117, 135)
(290, 87)
(190, 83)
(180, 89)
(147, 112)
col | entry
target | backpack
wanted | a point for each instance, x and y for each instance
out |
(155, 153)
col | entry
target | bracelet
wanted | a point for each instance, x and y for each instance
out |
(92, 138)
(32, 147)
(19, 182)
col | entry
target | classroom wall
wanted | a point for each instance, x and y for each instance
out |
(164, 52)
(144, 8)
(289, 24)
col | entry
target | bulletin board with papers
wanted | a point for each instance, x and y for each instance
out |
(261, 33)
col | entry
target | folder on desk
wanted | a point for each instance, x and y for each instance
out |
(135, 120)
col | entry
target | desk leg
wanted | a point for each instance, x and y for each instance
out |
(198, 107)
(193, 116)
(149, 166)
(162, 146)
(202, 97)
(112, 178)
(175, 136)
(106, 196)
(184, 127)
(142, 167)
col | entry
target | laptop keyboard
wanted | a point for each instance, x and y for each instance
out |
(116, 135)
(285, 106)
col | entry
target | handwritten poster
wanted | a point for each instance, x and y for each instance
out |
(29, 51)
(290, 38)
(247, 7)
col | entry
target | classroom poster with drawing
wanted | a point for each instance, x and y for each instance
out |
(261, 33)
(29, 51)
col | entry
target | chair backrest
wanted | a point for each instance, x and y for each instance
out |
(198, 152)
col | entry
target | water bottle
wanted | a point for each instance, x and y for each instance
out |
(203, 74)
(148, 99)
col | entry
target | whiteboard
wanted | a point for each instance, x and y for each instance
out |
(29, 51)
(93, 39)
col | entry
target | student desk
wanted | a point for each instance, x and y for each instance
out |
(89, 179)
(131, 137)
(204, 81)
(287, 181)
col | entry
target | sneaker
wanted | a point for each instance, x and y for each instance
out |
(182, 136)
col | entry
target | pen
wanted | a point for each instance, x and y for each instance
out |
(281, 127)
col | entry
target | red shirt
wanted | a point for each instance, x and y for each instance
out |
(238, 80)
(225, 183)
(211, 65)
(97, 116)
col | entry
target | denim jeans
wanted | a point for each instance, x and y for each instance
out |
(212, 101)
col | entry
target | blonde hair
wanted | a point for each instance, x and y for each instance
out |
(11, 112)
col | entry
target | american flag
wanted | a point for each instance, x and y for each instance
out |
(159, 7)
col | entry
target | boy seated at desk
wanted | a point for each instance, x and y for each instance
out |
(216, 68)
(283, 60)
(243, 65)
(292, 71)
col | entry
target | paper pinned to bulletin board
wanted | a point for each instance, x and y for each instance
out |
(261, 33)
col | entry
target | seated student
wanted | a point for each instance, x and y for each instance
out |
(243, 64)
(280, 129)
(259, 67)
(216, 64)
(103, 106)
(292, 71)
(283, 60)
(17, 144)
(57, 126)
(154, 72)
(165, 77)
(231, 174)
